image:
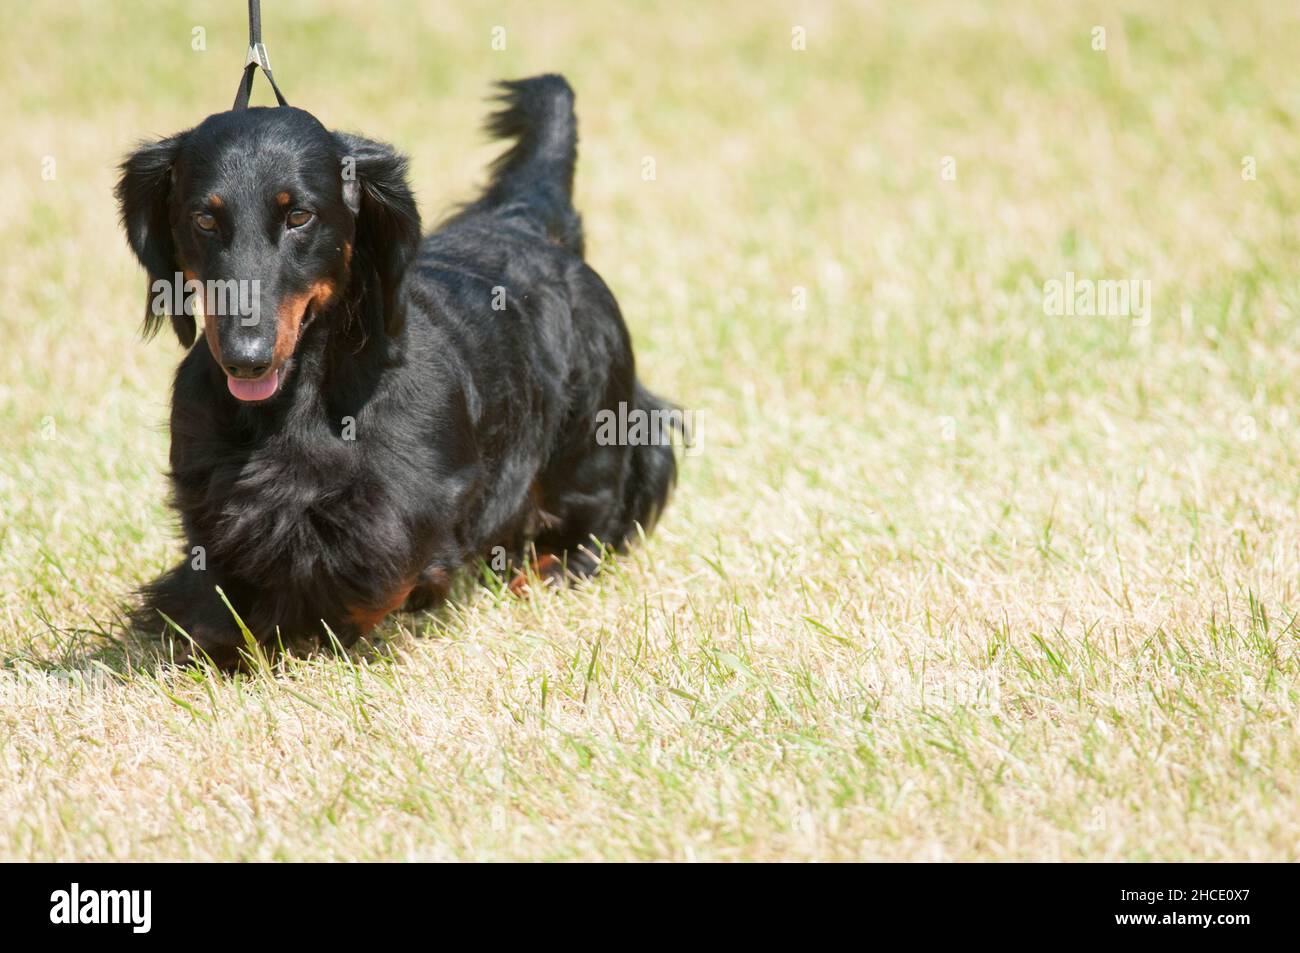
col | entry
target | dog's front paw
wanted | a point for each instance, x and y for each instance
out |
(202, 643)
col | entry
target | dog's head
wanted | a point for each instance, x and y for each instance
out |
(263, 220)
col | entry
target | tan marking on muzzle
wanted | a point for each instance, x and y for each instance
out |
(209, 320)
(289, 317)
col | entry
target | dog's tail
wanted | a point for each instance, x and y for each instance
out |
(534, 177)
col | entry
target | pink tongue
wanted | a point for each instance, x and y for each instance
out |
(259, 389)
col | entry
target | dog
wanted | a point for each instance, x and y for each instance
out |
(381, 410)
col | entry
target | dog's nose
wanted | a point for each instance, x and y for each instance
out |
(246, 361)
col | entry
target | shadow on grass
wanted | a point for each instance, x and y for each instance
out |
(103, 645)
(114, 647)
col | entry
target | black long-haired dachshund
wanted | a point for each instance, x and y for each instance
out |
(369, 412)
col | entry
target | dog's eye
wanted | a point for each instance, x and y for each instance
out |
(205, 221)
(299, 217)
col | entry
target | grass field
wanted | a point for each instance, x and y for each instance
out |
(949, 577)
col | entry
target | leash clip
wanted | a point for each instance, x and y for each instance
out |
(257, 56)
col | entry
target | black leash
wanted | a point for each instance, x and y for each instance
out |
(256, 57)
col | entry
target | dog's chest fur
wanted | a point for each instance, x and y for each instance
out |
(300, 509)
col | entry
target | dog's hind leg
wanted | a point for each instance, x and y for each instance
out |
(594, 504)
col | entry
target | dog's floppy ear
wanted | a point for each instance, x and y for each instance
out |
(144, 200)
(388, 221)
